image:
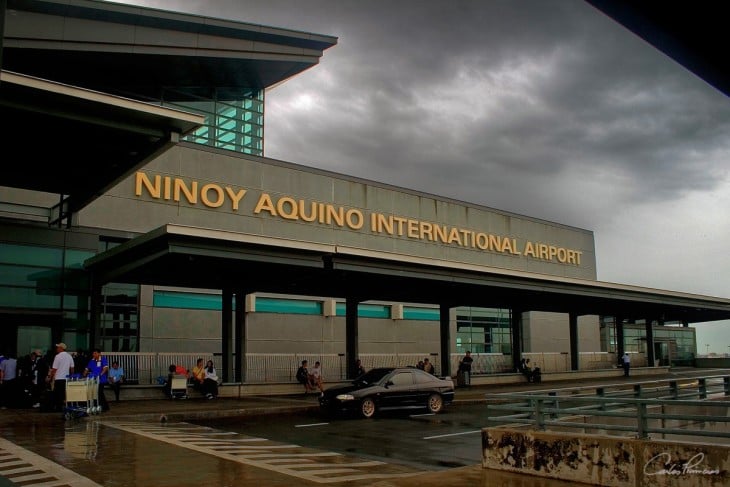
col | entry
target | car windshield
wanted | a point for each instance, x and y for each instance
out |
(372, 376)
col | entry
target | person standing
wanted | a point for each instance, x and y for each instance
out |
(427, 366)
(626, 362)
(116, 377)
(8, 374)
(38, 370)
(465, 366)
(316, 376)
(98, 367)
(359, 369)
(62, 368)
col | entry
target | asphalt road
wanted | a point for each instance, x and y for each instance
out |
(426, 441)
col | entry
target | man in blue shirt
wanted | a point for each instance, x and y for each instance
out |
(99, 367)
(116, 377)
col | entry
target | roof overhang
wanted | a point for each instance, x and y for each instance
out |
(77, 142)
(120, 48)
(175, 255)
(696, 36)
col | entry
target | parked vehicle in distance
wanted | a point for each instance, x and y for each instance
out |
(389, 388)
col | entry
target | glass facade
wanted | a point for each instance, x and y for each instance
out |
(674, 345)
(119, 316)
(234, 118)
(483, 330)
(44, 288)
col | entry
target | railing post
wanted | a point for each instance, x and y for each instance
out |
(642, 425)
(702, 388)
(637, 390)
(673, 389)
(726, 383)
(601, 392)
(539, 415)
(554, 403)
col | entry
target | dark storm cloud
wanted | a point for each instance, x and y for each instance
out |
(542, 107)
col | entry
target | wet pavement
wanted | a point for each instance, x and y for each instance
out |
(162, 443)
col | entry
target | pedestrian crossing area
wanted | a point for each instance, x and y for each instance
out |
(22, 467)
(287, 459)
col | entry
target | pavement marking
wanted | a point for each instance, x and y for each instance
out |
(424, 414)
(23, 467)
(283, 458)
(308, 425)
(452, 434)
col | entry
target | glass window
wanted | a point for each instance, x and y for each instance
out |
(483, 330)
(402, 379)
(25, 254)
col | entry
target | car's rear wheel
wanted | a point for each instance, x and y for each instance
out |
(367, 407)
(435, 403)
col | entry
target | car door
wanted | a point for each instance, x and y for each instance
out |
(399, 390)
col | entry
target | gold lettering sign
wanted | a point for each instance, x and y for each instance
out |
(289, 208)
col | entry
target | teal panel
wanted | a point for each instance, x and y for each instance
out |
(168, 299)
(288, 306)
(422, 314)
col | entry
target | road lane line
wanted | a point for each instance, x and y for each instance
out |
(452, 434)
(308, 425)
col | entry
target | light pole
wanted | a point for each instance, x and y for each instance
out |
(707, 346)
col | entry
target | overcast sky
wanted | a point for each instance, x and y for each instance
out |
(546, 108)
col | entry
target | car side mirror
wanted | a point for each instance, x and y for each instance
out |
(389, 383)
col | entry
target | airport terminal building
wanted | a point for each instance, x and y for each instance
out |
(141, 215)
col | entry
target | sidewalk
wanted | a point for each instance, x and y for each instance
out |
(199, 408)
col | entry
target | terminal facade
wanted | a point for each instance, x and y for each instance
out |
(199, 243)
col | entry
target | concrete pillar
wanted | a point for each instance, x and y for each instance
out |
(239, 327)
(620, 346)
(516, 326)
(351, 335)
(94, 315)
(574, 352)
(226, 335)
(445, 338)
(650, 343)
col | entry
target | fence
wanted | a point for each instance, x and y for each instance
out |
(146, 367)
(666, 412)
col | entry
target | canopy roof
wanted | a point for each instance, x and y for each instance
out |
(183, 256)
(77, 142)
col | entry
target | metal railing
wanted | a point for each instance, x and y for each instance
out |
(146, 367)
(639, 411)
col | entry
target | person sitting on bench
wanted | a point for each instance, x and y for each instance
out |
(532, 375)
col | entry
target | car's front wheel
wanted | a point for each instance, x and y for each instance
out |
(435, 403)
(367, 407)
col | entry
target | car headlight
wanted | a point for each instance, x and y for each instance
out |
(345, 397)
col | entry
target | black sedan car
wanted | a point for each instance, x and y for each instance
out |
(389, 388)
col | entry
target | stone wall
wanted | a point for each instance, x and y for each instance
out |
(606, 460)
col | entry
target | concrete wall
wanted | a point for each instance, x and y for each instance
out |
(138, 209)
(606, 460)
(550, 332)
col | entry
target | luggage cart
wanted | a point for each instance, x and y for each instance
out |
(82, 398)
(179, 387)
